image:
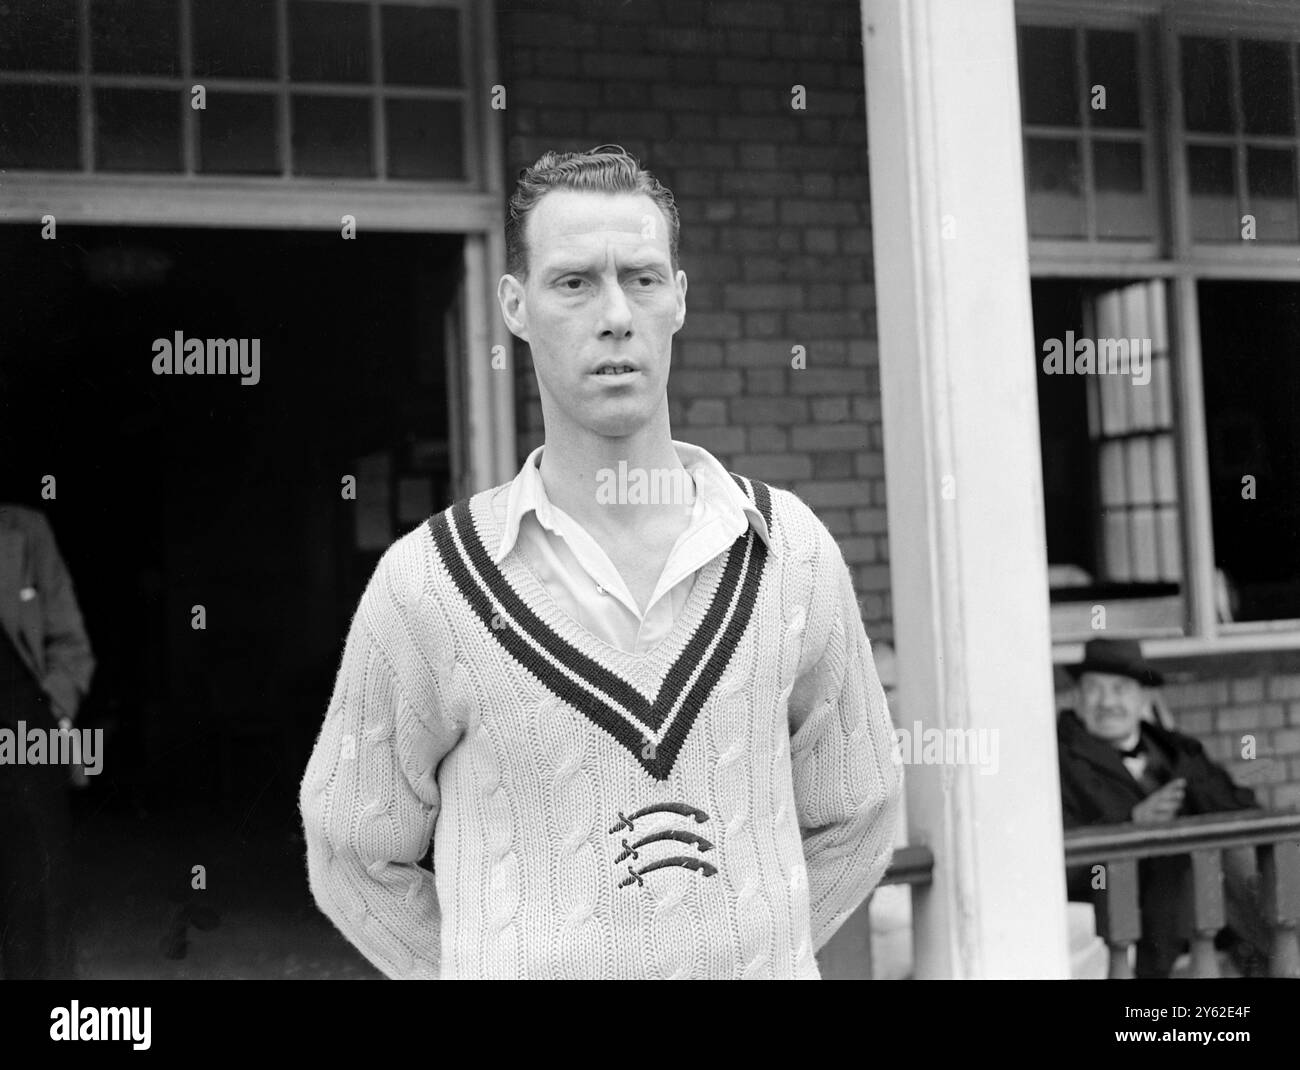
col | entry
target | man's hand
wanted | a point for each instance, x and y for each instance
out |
(1161, 805)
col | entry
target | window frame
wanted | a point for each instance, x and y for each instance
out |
(282, 89)
(1182, 263)
(1141, 250)
(483, 428)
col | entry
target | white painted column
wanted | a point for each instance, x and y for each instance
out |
(504, 464)
(489, 425)
(964, 479)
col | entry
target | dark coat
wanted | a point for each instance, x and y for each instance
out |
(38, 610)
(1096, 788)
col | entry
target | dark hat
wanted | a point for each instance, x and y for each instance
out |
(1122, 657)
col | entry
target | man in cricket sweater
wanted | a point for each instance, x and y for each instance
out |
(644, 733)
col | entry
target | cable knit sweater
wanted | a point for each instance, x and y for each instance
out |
(715, 808)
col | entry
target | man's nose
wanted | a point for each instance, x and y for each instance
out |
(616, 315)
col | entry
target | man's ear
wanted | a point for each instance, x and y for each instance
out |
(680, 280)
(514, 308)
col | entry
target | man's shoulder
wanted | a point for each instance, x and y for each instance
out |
(475, 503)
(1172, 739)
(791, 522)
(1074, 741)
(408, 570)
(1069, 728)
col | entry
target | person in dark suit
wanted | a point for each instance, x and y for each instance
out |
(45, 669)
(1118, 767)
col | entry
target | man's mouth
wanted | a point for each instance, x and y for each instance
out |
(614, 369)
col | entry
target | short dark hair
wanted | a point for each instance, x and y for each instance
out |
(604, 169)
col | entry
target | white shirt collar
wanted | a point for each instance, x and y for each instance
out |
(712, 481)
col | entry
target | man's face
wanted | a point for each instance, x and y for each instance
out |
(1111, 705)
(600, 292)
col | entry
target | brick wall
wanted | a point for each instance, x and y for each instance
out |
(776, 237)
(1222, 700)
(776, 240)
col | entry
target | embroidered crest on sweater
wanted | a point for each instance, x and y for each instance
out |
(633, 850)
(603, 697)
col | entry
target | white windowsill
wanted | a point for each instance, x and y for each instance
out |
(1233, 638)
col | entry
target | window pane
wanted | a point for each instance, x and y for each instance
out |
(1110, 473)
(1141, 478)
(1164, 470)
(1069, 477)
(38, 35)
(1109, 480)
(1210, 170)
(234, 38)
(1207, 94)
(138, 130)
(1213, 187)
(1252, 381)
(39, 127)
(135, 36)
(421, 46)
(237, 135)
(1126, 447)
(424, 139)
(1171, 544)
(1270, 177)
(1054, 192)
(1266, 87)
(1123, 205)
(1116, 550)
(1048, 76)
(331, 136)
(329, 42)
(1162, 409)
(1113, 64)
(1118, 166)
(1271, 172)
(1145, 543)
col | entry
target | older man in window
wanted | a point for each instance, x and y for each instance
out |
(1118, 766)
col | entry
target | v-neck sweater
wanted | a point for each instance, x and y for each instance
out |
(713, 808)
(577, 570)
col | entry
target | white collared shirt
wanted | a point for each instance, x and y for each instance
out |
(579, 575)
(1137, 765)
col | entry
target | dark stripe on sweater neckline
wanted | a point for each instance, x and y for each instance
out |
(480, 581)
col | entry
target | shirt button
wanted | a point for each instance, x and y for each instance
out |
(600, 589)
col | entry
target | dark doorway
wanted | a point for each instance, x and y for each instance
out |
(180, 490)
(175, 491)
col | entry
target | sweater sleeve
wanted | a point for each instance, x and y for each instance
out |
(847, 784)
(369, 797)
